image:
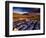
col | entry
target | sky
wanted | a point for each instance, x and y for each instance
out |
(22, 10)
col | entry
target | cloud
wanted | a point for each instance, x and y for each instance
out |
(19, 12)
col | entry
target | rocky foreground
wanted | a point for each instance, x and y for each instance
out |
(26, 25)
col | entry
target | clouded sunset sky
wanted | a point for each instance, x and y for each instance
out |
(22, 10)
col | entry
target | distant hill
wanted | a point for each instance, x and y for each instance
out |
(25, 14)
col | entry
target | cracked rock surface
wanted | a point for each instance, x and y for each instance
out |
(26, 25)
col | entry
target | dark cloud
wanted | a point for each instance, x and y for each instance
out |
(25, 9)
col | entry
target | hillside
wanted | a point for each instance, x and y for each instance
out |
(31, 16)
